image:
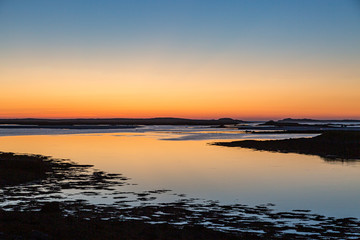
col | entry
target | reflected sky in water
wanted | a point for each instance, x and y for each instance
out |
(195, 168)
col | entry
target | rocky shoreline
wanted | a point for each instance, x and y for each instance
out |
(342, 145)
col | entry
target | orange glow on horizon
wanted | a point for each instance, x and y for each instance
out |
(235, 59)
(139, 88)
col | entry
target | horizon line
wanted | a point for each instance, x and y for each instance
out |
(168, 117)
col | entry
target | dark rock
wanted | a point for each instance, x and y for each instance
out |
(37, 235)
(51, 207)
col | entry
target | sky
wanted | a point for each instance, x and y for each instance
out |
(244, 59)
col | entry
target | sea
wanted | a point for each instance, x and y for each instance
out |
(183, 160)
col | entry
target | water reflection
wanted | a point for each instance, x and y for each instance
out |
(230, 175)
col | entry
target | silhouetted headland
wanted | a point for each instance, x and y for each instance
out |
(334, 144)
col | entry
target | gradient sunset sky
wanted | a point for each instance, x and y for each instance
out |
(245, 59)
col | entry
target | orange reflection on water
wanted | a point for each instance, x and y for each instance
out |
(155, 162)
(211, 172)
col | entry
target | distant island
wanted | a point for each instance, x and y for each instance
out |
(289, 125)
(315, 120)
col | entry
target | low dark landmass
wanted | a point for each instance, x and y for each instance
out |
(38, 210)
(315, 131)
(295, 124)
(151, 121)
(118, 121)
(316, 120)
(84, 126)
(52, 225)
(334, 144)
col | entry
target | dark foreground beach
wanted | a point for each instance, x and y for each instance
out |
(35, 182)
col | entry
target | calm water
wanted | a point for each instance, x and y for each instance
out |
(180, 159)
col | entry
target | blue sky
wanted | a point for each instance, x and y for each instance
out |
(209, 24)
(292, 48)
